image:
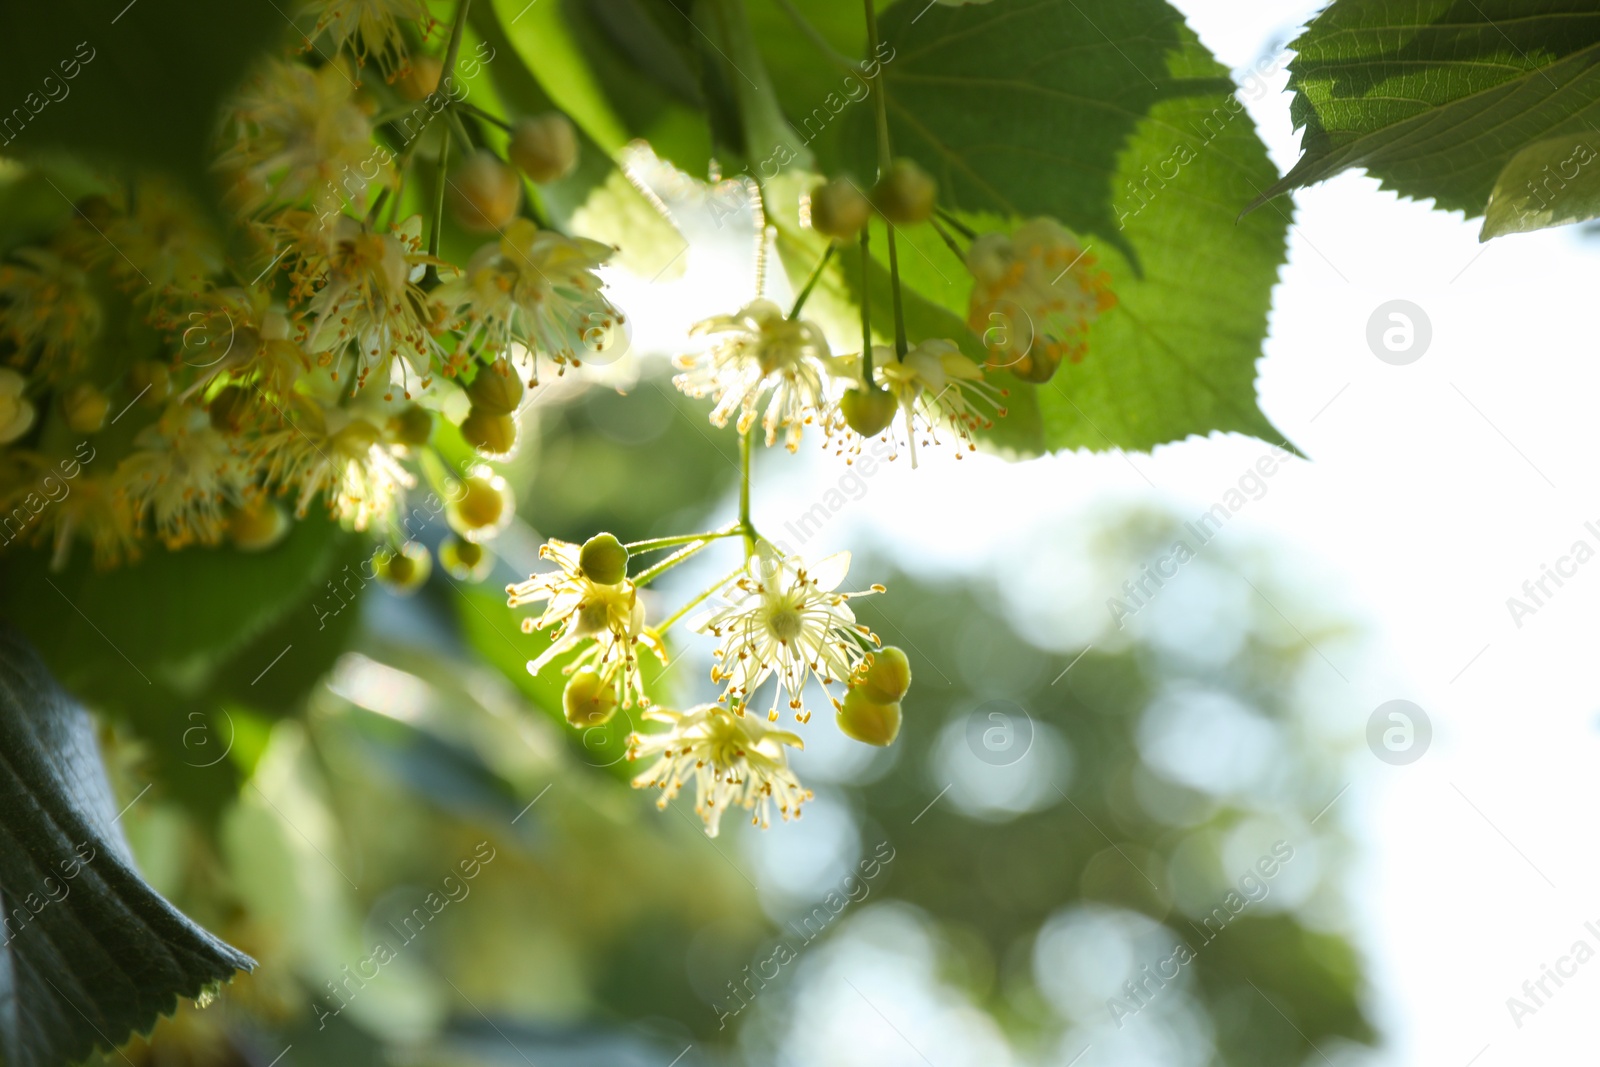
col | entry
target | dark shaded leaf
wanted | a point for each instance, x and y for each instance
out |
(92, 953)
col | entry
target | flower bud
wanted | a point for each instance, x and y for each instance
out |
(905, 194)
(491, 434)
(496, 389)
(422, 80)
(544, 146)
(406, 569)
(258, 526)
(888, 675)
(588, 700)
(16, 411)
(85, 408)
(839, 209)
(411, 426)
(484, 508)
(869, 721)
(603, 559)
(151, 382)
(484, 193)
(229, 409)
(867, 411)
(465, 561)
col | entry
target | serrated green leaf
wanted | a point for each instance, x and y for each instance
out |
(1114, 119)
(1434, 97)
(91, 953)
(1549, 183)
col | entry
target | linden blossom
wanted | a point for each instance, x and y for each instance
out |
(1566, 567)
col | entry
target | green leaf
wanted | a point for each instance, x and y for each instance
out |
(1436, 98)
(91, 953)
(1549, 183)
(169, 619)
(137, 85)
(1114, 119)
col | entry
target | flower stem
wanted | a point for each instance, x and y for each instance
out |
(885, 158)
(647, 575)
(950, 242)
(482, 115)
(811, 283)
(655, 543)
(960, 227)
(699, 598)
(746, 446)
(866, 309)
(451, 51)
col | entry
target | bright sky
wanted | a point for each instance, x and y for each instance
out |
(1434, 490)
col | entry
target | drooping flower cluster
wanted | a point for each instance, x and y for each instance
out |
(312, 360)
(1034, 297)
(604, 621)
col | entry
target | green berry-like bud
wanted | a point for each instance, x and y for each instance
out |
(465, 561)
(588, 700)
(491, 434)
(869, 721)
(356, 438)
(839, 209)
(888, 678)
(545, 147)
(257, 527)
(411, 426)
(867, 411)
(603, 559)
(484, 507)
(905, 194)
(229, 409)
(405, 569)
(496, 389)
(85, 408)
(151, 382)
(484, 193)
